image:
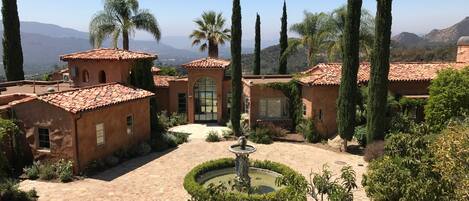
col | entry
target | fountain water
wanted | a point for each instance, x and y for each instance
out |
(242, 151)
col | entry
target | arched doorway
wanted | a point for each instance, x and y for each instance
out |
(205, 105)
(102, 77)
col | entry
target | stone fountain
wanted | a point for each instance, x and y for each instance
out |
(242, 151)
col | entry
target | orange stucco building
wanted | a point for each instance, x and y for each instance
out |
(204, 93)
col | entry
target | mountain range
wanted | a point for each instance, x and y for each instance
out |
(44, 43)
(449, 35)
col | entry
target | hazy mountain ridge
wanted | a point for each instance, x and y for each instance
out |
(449, 35)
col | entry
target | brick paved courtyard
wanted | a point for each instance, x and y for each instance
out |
(159, 176)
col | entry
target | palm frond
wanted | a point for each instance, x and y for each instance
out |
(144, 20)
(101, 26)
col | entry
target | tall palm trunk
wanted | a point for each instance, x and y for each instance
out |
(12, 50)
(378, 86)
(310, 56)
(125, 39)
(212, 49)
(351, 62)
(236, 87)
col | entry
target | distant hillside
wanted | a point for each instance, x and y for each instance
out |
(44, 43)
(269, 61)
(451, 34)
(408, 39)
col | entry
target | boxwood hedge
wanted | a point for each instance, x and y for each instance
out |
(198, 192)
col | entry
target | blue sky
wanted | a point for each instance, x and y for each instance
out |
(175, 16)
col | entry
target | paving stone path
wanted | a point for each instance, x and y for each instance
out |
(159, 176)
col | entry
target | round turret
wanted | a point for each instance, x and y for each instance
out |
(463, 41)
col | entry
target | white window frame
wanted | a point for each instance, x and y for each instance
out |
(100, 142)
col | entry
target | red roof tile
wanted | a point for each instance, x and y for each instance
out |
(330, 74)
(163, 81)
(107, 54)
(94, 97)
(207, 63)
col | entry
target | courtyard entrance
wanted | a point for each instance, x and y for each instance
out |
(205, 93)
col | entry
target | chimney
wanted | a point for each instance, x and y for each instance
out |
(463, 50)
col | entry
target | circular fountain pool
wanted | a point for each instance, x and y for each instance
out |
(262, 180)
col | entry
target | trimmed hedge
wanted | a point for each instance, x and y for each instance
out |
(199, 192)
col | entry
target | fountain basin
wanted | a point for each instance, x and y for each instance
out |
(236, 149)
(262, 180)
(197, 180)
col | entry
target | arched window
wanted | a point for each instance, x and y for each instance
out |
(102, 77)
(85, 76)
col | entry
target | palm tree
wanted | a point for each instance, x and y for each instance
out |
(210, 33)
(314, 31)
(121, 17)
(337, 23)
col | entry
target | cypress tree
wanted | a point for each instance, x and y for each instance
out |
(378, 85)
(350, 65)
(257, 47)
(12, 51)
(283, 41)
(236, 87)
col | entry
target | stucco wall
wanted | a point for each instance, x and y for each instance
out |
(258, 92)
(116, 71)
(176, 87)
(162, 98)
(116, 137)
(322, 99)
(37, 114)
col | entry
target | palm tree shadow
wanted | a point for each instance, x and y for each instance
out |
(129, 166)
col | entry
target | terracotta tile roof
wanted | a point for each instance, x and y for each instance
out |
(207, 63)
(107, 54)
(330, 74)
(90, 98)
(163, 81)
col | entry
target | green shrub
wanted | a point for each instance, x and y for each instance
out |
(64, 169)
(275, 131)
(360, 135)
(451, 150)
(180, 137)
(212, 137)
(177, 119)
(15, 153)
(122, 154)
(32, 172)
(200, 193)
(170, 140)
(47, 171)
(449, 98)
(400, 123)
(111, 161)
(406, 171)
(94, 167)
(227, 133)
(9, 191)
(261, 135)
(140, 149)
(308, 130)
